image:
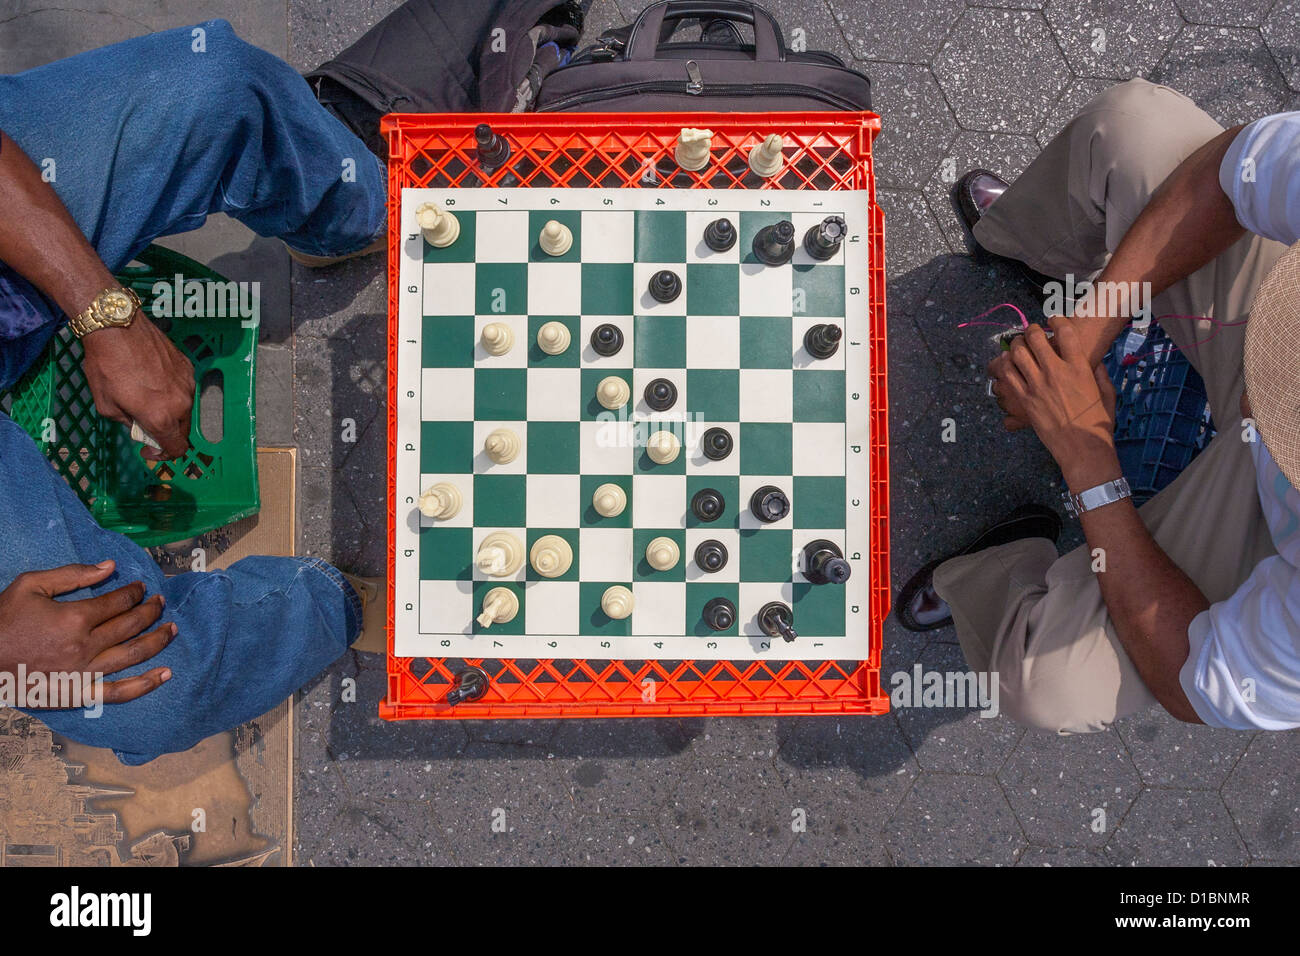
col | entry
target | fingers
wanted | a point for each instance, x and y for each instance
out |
(95, 611)
(1066, 338)
(1107, 388)
(172, 433)
(129, 688)
(128, 624)
(135, 651)
(1023, 358)
(65, 579)
(1041, 346)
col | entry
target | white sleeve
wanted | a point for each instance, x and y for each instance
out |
(1243, 670)
(1261, 175)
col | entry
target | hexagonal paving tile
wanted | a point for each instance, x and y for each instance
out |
(1059, 807)
(916, 124)
(1177, 828)
(1003, 153)
(896, 30)
(1228, 72)
(913, 371)
(1170, 753)
(956, 739)
(916, 251)
(1001, 70)
(1113, 38)
(1280, 32)
(946, 820)
(1225, 13)
(1263, 796)
(1075, 97)
(1064, 856)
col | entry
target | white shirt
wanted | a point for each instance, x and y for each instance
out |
(1243, 671)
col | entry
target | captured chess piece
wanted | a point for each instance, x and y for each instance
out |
(823, 340)
(711, 556)
(823, 563)
(692, 150)
(823, 240)
(492, 150)
(774, 244)
(719, 614)
(660, 395)
(471, 685)
(606, 339)
(777, 620)
(765, 159)
(708, 504)
(665, 286)
(716, 444)
(720, 235)
(769, 503)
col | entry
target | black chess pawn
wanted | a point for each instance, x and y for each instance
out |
(661, 395)
(665, 286)
(823, 563)
(823, 240)
(719, 613)
(606, 339)
(720, 235)
(774, 245)
(716, 444)
(777, 620)
(492, 149)
(711, 556)
(470, 686)
(822, 341)
(769, 504)
(708, 504)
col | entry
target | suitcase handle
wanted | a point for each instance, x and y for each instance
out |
(643, 41)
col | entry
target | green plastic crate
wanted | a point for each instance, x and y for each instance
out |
(153, 503)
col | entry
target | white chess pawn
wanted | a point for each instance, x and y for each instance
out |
(442, 500)
(502, 446)
(617, 602)
(663, 447)
(500, 605)
(662, 554)
(439, 226)
(553, 337)
(556, 238)
(500, 555)
(613, 392)
(498, 338)
(765, 159)
(609, 500)
(551, 556)
(693, 145)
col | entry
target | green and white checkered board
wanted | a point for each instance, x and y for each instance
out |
(732, 343)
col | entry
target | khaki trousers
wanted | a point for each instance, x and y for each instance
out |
(1036, 619)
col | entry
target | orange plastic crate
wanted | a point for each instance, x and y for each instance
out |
(832, 151)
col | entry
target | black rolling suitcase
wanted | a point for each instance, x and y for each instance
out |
(639, 68)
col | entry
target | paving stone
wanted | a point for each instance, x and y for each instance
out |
(1002, 153)
(950, 820)
(913, 372)
(1226, 13)
(1263, 796)
(1280, 32)
(1059, 856)
(1076, 96)
(1228, 72)
(370, 835)
(1001, 70)
(1170, 753)
(953, 739)
(1177, 828)
(916, 251)
(895, 30)
(868, 755)
(1058, 784)
(916, 124)
(1113, 38)
(726, 811)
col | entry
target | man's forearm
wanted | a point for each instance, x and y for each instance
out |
(1151, 601)
(40, 240)
(1188, 222)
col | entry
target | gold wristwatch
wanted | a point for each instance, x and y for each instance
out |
(112, 309)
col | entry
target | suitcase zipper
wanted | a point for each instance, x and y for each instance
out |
(694, 79)
(724, 89)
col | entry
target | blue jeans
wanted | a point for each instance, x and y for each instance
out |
(147, 138)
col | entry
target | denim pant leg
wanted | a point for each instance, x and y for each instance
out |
(247, 637)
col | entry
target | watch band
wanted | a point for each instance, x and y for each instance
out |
(1098, 496)
(97, 316)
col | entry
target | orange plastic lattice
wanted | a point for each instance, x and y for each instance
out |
(831, 151)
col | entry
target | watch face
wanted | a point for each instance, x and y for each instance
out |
(118, 306)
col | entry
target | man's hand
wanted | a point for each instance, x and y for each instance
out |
(135, 373)
(102, 634)
(1069, 403)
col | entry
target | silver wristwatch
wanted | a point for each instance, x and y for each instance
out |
(1090, 499)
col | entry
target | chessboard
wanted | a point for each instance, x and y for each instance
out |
(632, 424)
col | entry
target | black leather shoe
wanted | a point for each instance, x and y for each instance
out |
(919, 608)
(972, 195)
